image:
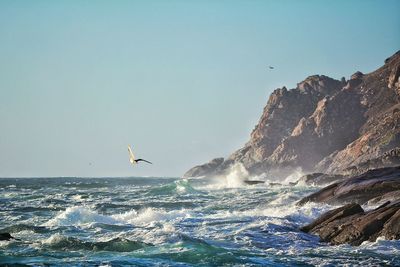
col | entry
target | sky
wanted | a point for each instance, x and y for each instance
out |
(182, 82)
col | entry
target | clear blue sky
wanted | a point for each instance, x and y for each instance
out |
(181, 81)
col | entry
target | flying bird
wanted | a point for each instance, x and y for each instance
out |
(132, 159)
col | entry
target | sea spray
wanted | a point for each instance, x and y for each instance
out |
(234, 177)
(294, 176)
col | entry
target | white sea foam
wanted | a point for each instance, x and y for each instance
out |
(80, 215)
(277, 211)
(77, 198)
(294, 176)
(53, 239)
(180, 189)
(382, 245)
(149, 215)
(233, 178)
(237, 174)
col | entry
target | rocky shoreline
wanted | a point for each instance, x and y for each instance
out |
(352, 224)
(346, 135)
(359, 189)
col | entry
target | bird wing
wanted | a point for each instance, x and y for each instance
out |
(131, 156)
(143, 160)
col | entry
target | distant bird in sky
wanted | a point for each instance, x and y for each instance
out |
(132, 159)
(271, 67)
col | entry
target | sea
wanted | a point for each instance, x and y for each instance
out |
(160, 221)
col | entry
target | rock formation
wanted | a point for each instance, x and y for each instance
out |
(324, 125)
(361, 188)
(318, 179)
(204, 169)
(351, 224)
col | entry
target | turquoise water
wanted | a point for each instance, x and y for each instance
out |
(167, 222)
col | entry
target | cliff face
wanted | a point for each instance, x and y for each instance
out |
(323, 125)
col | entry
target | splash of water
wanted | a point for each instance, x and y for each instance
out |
(294, 176)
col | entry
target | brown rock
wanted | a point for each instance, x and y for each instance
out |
(392, 196)
(350, 224)
(335, 214)
(204, 169)
(394, 78)
(360, 188)
(318, 179)
(391, 229)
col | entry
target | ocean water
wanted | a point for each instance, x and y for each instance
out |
(168, 222)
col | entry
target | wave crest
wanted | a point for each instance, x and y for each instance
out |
(78, 216)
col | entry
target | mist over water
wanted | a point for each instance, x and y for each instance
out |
(169, 222)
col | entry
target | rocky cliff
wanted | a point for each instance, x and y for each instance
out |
(324, 125)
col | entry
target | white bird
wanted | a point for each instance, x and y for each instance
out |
(132, 159)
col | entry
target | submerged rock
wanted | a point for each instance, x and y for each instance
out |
(6, 237)
(251, 182)
(352, 225)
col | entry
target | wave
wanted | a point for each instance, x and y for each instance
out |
(34, 209)
(237, 176)
(79, 216)
(181, 186)
(281, 210)
(233, 178)
(198, 251)
(67, 243)
(107, 206)
(151, 215)
(293, 177)
(24, 227)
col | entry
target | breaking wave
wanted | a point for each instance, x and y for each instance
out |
(81, 216)
(181, 186)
